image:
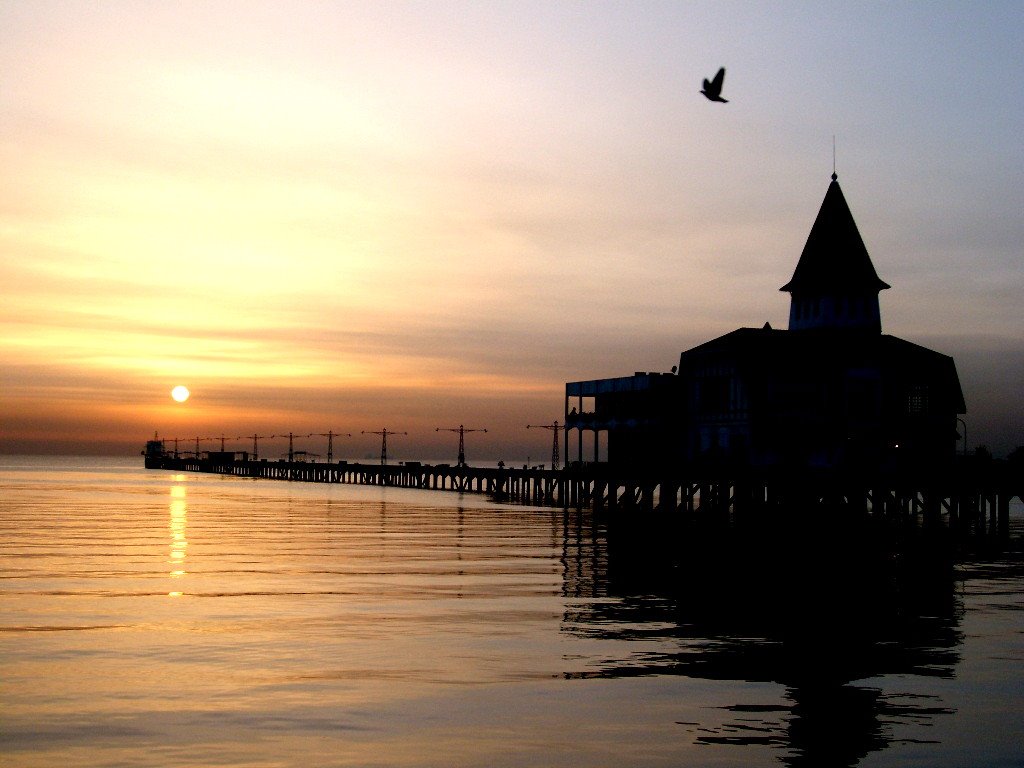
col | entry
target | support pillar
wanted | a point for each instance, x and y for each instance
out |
(1004, 515)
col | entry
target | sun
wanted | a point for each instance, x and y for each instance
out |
(180, 393)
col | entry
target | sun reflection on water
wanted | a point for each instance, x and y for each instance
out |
(179, 543)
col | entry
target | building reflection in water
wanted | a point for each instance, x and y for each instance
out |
(178, 521)
(813, 620)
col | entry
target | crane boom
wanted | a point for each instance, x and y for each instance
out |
(383, 441)
(554, 445)
(330, 435)
(256, 443)
(462, 439)
(203, 439)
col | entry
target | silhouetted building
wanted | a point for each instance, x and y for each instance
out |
(832, 390)
(641, 416)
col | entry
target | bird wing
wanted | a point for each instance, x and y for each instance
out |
(719, 79)
(707, 85)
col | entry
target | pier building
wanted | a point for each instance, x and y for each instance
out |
(831, 391)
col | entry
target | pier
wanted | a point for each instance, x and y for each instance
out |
(968, 498)
(527, 485)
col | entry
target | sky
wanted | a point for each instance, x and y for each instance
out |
(356, 216)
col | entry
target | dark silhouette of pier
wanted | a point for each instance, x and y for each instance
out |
(966, 499)
(529, 485)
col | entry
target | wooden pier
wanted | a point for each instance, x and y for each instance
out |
(968, 497)
(524, 485)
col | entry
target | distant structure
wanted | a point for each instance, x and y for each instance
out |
(832, 391)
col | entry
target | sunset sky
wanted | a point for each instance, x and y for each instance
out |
(410, 215)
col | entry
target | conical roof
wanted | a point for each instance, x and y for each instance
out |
(834, 260)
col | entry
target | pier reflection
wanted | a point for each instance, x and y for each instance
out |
(825, 623)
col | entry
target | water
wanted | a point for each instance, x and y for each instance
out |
(156, 619)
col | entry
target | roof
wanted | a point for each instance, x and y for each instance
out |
(764, 350)
(834, 259)
(637, 382)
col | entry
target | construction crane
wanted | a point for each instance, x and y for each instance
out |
(330, 441)
(554, 445)
(256, 443)
(291, 449)
(197, 444)
(462, 439)
(175, 441)
(383, 442)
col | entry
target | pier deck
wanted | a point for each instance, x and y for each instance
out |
(526, 485)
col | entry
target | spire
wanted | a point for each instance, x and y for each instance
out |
(835, 284)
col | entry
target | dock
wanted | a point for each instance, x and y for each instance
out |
(968, 498)
(526, 485)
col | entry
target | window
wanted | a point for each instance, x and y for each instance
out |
(917, 399)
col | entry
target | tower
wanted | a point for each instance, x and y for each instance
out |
(835, 285)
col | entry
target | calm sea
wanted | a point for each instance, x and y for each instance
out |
(156, 619)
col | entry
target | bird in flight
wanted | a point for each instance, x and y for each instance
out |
(713, 90)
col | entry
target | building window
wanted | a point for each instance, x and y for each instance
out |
(917, 399)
